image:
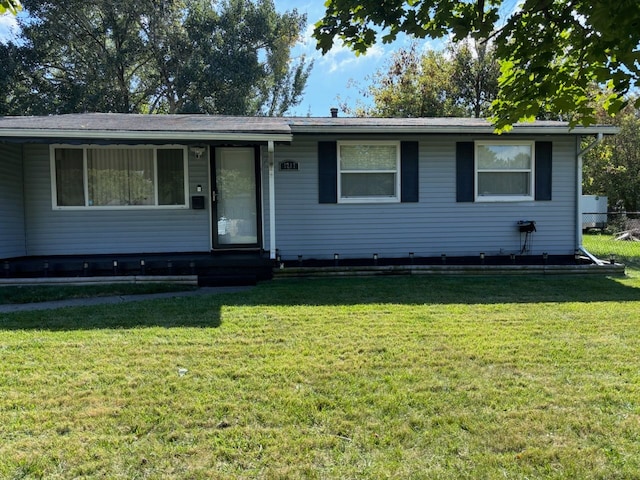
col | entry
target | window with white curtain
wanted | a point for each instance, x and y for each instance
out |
(119, 177)
(368, 172)
(504, 170)
(69, 177)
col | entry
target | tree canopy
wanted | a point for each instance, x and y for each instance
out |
(551, 51)
(11, 6)
(154, 56)
(613, 168)
(414, 85)
(458, 81)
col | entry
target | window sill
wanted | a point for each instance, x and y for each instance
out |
(121, 208)
(368, 200)
(505, 199)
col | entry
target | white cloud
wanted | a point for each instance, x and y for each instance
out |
(307, 44)
(437, 44)
(340, 57)
(8, 27)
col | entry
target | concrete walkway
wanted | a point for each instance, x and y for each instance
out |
(114, 300)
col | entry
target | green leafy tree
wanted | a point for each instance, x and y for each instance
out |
(410, 85)
(84, 56)
(8, 58)
(11, 6)
(461, 81)
(475, 73)
(551, 51)
(613, 168)
(241, 59)
(155, 56)
(8, 74)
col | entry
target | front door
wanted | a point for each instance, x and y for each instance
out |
(235, 198)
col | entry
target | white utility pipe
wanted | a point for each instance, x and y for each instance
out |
(272, 202)
(579, 192)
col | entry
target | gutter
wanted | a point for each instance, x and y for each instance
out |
(198, 136)
(579, 246)
(589, 147)
(446, 129)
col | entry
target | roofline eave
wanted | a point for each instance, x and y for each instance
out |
(145, 135)
(451, 130)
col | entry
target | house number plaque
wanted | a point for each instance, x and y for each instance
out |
(289, 165)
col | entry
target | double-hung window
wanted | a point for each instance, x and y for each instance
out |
(368, 172)
(119, 177)
(504, 170)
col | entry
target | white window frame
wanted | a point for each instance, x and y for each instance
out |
(505, 198)
(86, 206)
(367, 199)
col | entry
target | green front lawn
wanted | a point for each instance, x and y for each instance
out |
(433, 377)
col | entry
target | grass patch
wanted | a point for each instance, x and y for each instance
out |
(46, 293)
(603, 245)
(431, 377)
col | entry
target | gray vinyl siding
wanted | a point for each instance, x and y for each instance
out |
(65, 232)
(434, 225)
(12, 236)
(431, 227)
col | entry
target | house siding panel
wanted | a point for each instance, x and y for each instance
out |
(66, 232)
(436, 224)
(12, 234)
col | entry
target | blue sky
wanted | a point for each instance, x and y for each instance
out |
(336, 75)
(6, 24)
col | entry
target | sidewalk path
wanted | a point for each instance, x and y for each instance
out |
(82, 302)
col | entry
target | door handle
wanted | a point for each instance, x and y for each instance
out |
(214, 196)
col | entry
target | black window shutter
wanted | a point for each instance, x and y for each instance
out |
(543, 170)
(409, 171)
(327, 172)
(465, 172)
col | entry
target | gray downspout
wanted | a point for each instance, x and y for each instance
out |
(579, 246)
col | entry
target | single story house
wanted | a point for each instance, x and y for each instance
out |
(98, 183)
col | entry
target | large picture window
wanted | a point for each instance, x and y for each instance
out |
(504, 171)
(368, 172)
(119, 177)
